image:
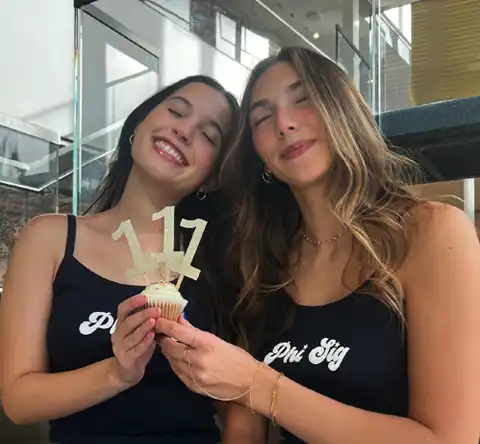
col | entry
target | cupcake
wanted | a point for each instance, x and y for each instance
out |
(165, 296)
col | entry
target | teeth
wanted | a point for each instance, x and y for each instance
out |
(167, 148)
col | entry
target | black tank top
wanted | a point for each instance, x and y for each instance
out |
(352, 350)
(159, 409)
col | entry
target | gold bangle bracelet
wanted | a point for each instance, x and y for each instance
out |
(273, 405)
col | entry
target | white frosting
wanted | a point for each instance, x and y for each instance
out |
(165, 293)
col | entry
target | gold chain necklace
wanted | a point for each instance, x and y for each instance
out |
(322, 242)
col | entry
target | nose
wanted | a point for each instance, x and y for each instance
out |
(286, 124)
(184, 135)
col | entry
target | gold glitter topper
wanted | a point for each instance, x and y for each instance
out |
(178, 262)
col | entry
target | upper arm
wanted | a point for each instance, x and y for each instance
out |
(242, 426)
(442, 287)
(26, 298)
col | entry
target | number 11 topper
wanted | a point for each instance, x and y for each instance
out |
(173, 261)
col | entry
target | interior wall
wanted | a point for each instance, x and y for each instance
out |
(181, 53)
(36, 64)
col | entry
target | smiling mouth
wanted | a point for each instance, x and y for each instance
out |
(170, 152)
(297, 149)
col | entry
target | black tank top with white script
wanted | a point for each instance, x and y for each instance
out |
(159, 409)
(352, 350)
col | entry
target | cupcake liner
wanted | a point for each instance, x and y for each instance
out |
(168, 310)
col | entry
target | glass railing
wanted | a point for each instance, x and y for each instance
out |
(31, 160)
(351, 59)
(394, 38)
(440, 59)
(36, 172)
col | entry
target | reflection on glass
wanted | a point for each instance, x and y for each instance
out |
(430, 52)
(254, 48)
(28, 185)
(17, 207)
(226, 35)
(117, 76)
(352, 61)
(27, 161)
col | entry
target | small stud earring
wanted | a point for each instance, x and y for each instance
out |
(266, 176)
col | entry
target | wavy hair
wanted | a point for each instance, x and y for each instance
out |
(367, 186)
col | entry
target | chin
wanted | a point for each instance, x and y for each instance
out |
(307, 178)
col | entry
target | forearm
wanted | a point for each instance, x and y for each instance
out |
(242, 427)
(234, 435)
(45, 396)
(314, 418)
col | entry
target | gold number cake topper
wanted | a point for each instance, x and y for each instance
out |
(175, 261)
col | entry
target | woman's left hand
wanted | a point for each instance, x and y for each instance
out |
(206, 364)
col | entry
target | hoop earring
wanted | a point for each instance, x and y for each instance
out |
(130, 139)
(266, 176)
(201, 195)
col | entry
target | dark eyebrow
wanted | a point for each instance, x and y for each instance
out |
(295, 85)
(259, 104)
(181, 99)
(265, 102)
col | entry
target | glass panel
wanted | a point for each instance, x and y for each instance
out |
(181, 50)
(28, 185)
(254, 48)
(26, 161)
(431, 52)
(177, 10)
(116, 76)
(350, 58)
(226, 35)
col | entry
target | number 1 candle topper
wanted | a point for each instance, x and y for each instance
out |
(176, 261)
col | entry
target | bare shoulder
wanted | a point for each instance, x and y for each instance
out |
(437, 225)
(441, 282)
(45, 227)
(430, 214)
(37, 253)
(43, 234)
(440, 234)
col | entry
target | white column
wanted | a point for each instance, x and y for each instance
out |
(351, 28)
(77, 114)
(356, 40)
(469, 197)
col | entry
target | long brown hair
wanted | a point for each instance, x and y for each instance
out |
(211, 286)
(367, 187)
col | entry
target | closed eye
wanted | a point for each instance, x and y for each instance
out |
(174, 113)
(209, 138)
(259, 121)
(302, 99)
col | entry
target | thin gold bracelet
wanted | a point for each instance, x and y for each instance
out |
(273, 405)
(234, 398)
(262, 364)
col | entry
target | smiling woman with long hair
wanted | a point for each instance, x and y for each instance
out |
(76, 351)
(357, 299)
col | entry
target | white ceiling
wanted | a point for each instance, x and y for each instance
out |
(305, 16)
